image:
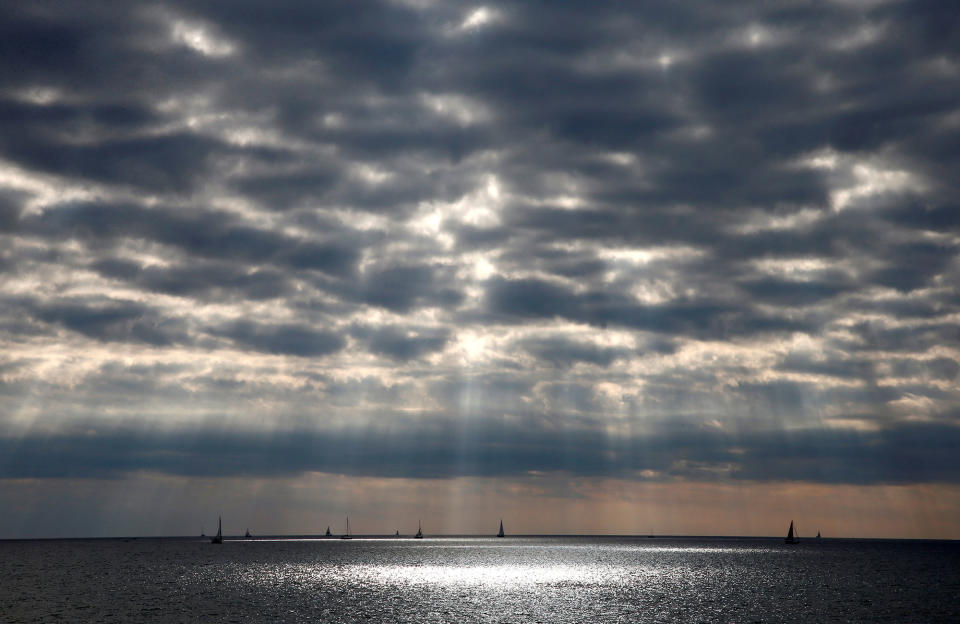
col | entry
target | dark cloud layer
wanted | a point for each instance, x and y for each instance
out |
(587, 237)
(907, 453)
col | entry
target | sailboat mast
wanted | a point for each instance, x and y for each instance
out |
(791, 537)
(218, 538)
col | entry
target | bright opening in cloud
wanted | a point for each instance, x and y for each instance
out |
(462, 110)
(481, 16)
(199, 39)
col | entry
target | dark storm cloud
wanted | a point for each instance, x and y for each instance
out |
(370, 41)
(287, 339)
(835, 365)
(154, 163)
(403, 287)
(284, 190)
(110, 320)
(791, 293)
(10, 208)
(201, 280)
(831, 365)
(537, 299)
(908, 453)
(400, 343)
(757, 200)
(937, 368)
(874, 336)
(912, 266)
(562, 352)
(208, 234)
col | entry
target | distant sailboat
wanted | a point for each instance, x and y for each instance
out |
(500, 534)
(818, 535)
(218, 538)
(328, 533)
(247, 534)
(791, 538)
(398, 533)
(347, 534)
(419, 534)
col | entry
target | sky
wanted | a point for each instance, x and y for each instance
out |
(590, 267)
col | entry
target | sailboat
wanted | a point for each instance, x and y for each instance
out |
(247, 534)
(347, 534)
(398, 533)
(218, 538)
(818, 535)
(419, 534)
(500, 534)
(328, 533)
(791, 538)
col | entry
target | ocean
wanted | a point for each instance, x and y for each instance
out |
(479, 579)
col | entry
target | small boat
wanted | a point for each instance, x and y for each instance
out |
(218, 538)
(818, 535)
(419, 534)
(202, 534)
(247, 534)
(791, 537)
(500, 534)
(328, 533)
(347, 534)
(398, 533)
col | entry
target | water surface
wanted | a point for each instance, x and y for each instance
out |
(463, 579)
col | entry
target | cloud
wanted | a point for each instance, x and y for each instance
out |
(694, 242)
(400, 343)
(906, 454)
(287, 339)
(563, 352)
(114, 321)
(401, 288)
(210, 234)
(201, 279)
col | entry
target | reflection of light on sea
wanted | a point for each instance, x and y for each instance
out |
(512, 576)
(656, 567)
(504, 575)
(700, 549)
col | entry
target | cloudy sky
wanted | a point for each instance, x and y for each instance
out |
(674, 267)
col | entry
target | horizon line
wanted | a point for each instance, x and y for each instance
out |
(384, 536)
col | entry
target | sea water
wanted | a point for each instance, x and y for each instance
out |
(464, 579)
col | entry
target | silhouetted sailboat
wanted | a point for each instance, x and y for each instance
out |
(328, 533)
(398, 533)
(500, 534)
(218, 538)
(247, 534)
(791, 538)
(347, 534)
(419, 534)
(818, 535)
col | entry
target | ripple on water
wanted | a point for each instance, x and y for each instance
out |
(479, 580)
